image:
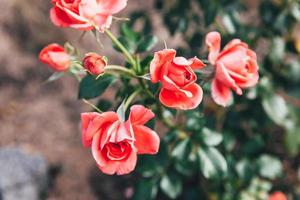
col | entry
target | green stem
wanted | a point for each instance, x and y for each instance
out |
(111, 69)
(131, 97)
(120, 46)
(92, 105)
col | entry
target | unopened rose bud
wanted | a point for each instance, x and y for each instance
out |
(55, 57)
(94, 63)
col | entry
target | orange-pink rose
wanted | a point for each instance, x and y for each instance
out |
(236, 68)
(94, 63)
(277, 196)
(55, 56)
(179, 87)
(85, 14)
(115, 144)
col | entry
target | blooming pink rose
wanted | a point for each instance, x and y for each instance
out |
(235, 67)
(277, 196)
(55, 56)
(94, 63)
(115, 144)
(85, 14)
(179, 88)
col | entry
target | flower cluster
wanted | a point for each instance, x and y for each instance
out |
(115, 143)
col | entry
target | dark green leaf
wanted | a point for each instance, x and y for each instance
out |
(146, 189)
(171, 185)
(211, 138)
(182, 149)
(147, 43)
(212, 163)
(90, 87)
(276, 108)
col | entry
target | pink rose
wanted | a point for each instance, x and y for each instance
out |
(115, 144)
(179, 87)
(235, 67)
(277, 196)
(85, 14)
(55, 56)
(94, 63)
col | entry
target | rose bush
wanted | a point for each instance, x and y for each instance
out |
(204, 151)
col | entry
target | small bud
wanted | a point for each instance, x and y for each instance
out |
(94, 63)
(55, 57)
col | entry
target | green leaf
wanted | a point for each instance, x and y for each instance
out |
(277, 50)
(55, 76)
(104, 105)
(228, 23)
(212, 163)
(121, 111)
(129, 45)
(146, 189)
(129, 33)
(292, 141)
(171, 185)
(182, 149)
(211, 138)
(147, 43)
(90, 87)
(269, 166)
(276, 108)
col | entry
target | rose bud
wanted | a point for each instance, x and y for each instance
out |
(115, 144)
(94, 63)
(178, 79)
(236, 68)
(55, 56)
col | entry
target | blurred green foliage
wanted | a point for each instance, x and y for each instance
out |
(242, 152)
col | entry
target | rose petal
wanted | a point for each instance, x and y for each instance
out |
(139, 115)
(179, 100)
(147, 141)
(196, 63)
(97, 152)
(181, 61)
(220, 93)
(213, 41)
(111, 6)
(160, 58)
(223, 77)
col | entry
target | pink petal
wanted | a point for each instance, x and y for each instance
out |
(220, 93)
(179, 100)
(111, 6)
(88, 130)
(160, 58)
(97, 152)
(181, 61)
(213, 41)
(147, 141)
(139, 115)
(223, 77)
(196, 63)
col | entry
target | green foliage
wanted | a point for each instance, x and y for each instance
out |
(241, 152)
(91, 87)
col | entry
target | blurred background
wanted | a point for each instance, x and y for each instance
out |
(40, 143)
